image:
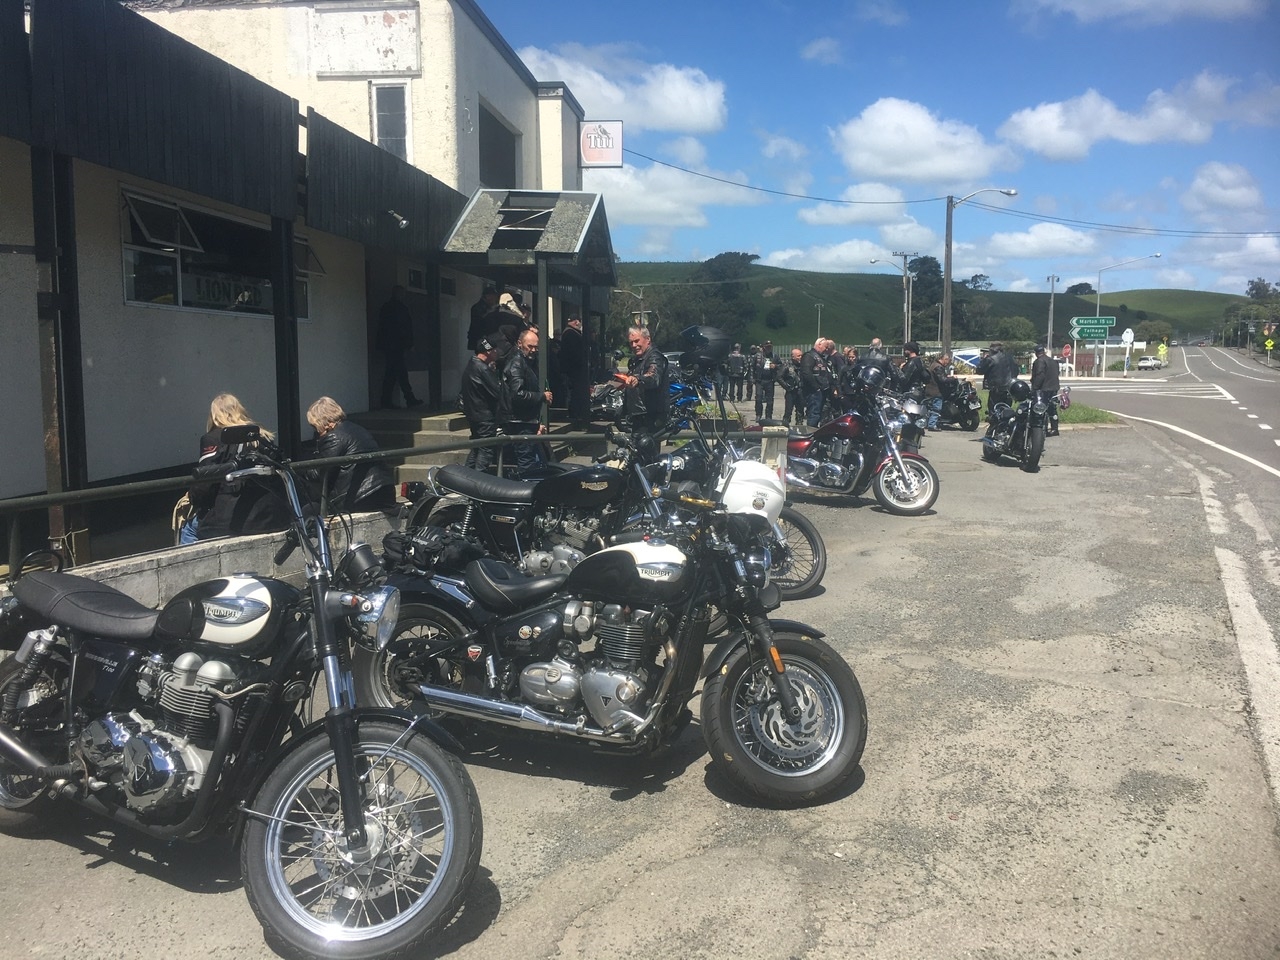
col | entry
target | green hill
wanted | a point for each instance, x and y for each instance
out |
(857, 306)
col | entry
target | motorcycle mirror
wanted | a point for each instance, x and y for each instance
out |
(241, 433)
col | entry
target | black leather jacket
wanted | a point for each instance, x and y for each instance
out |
(1045, 374)
(350, 484)
(913, 374)
(483, 395)
(523, 392)
(815, 372)
(650, 368)
(999, 369)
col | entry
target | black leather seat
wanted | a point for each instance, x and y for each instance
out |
(502, 588)
(86, 605)
(483, 486)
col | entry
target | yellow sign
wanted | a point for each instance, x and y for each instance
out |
(1270, 344)
(1162, 350)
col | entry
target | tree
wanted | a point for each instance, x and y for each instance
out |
(1012, 329)
(1152, 331)
(1080, 289)
(927, 274)
(776, 318)
(1260, 289)
(980, 281)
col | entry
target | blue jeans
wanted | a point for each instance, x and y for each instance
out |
(189, 532)
(935, 411)
(813, 407)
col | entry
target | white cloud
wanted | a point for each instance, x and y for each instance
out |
(906, 234)
(777, 147)
(851, 256)
(869, 203)
(612, 86)
(1068, 129)
(1225, 196)
(884, 12)
(899, 140)
(823, 50)
(1147, 11)
(1041, 240)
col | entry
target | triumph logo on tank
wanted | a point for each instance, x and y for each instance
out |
(595, 485)
(234, 610)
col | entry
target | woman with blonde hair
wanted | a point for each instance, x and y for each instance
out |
(353, 487)
(220, 509)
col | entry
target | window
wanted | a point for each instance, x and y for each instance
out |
(179, 256)
(499, 152)
(390, 110)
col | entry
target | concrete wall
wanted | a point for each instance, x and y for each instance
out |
(21, 427)
(558, 123)
(150, 370)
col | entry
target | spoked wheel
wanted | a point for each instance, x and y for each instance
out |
(420, 651)
(318, 894)
(908, 495)
(1035, 449)
(23, 798)
(758, 749)
(804, 561)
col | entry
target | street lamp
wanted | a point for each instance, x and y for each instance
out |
(1097, 303)
(952, 203)
(1048, 344)
(908, 282)
(639, 296)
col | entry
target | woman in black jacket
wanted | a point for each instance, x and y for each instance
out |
(353, 487)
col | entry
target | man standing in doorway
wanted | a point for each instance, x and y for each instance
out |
(483, 403)
(526, 398)
(395, 340)
(487, 303)
(575, 370)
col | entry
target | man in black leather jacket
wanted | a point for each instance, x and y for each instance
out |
(648, 381)
(526, 400)
(483, 402)
(353, 487)
(913, 374)
(1046, 381)
(815, 380)
(999, 369)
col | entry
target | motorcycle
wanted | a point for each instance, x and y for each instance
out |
(1018, 431)
(612, 652)
(358, 833)
(856, 451)
(907, 416)
(962, 407)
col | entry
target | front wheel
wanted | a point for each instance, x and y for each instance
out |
(758, 749)
(804, 559)
(909, 495)
(1035, 449)
(316, 893)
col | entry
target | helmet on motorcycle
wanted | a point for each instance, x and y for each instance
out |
(707, 346)
(871, 377)
(1020, 389)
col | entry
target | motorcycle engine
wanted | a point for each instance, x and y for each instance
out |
(160, 762)
(614, 680)
(569, 535)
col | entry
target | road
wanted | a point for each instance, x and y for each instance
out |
(1069, 756)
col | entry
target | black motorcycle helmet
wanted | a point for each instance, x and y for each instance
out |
(708, 346)
(1020, 390)
(871, 377)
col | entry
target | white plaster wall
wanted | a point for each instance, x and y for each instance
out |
(558, 136)
(150, 371)
(21, 427)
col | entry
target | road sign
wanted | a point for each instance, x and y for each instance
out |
(1127, 336)
(1270, 344)
(1094, 321)
(1091, 328)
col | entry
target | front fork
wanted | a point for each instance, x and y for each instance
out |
(762, 632)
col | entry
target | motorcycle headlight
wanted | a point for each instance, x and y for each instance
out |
(379, 611)
(757, 564)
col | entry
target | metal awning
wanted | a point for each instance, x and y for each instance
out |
(506, 235)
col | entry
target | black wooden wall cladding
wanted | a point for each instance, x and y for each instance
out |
(15, 74)
(112, 88)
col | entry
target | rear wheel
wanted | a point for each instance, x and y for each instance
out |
(1035, 449)
(24, 798)
(969, 421)
(909, 494)
(765, 755)
(423, 649)
(804, 560)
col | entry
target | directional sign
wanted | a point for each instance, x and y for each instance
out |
(1091, 328)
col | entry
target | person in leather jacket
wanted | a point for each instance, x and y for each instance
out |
(352, 487)
(940, 386)
(999, 369)
(483, 402)
(1046, 381)
(815, 380)
(913, 373)
(526, 400)
(648, 381)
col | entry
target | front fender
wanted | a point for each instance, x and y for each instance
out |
(736, 638)
(424, 724)
(885, 461)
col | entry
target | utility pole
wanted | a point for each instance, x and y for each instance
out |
(906, 294)
(1049, 342)
(819, 306)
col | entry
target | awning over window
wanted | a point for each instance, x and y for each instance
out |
(505, 234)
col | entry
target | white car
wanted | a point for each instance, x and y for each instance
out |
(1150, 363)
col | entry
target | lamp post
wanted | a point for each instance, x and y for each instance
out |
(819, 306)
(952, 203)
(908, 282)
(1097, 302)
(639, 296)
(1048, 345)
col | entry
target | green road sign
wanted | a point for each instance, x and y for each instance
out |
(1090, 333)
(1094, 321)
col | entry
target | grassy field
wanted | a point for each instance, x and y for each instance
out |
(857, 306)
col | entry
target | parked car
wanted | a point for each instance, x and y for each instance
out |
(1149, 363)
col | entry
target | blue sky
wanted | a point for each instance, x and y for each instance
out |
(1146, 115)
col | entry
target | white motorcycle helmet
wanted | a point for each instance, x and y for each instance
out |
(752, 489)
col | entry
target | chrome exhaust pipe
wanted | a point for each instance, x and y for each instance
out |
(504, 712)
(15, 751)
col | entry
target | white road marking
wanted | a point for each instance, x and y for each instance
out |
(1205, 440)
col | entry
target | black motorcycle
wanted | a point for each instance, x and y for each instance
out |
(612, 652)
(358, 835)
(1018, 430)
(963, 407)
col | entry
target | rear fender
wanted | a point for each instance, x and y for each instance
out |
(737, 638)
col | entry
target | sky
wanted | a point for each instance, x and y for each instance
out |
(820, 135)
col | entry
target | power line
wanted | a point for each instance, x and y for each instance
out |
(1043, 218)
